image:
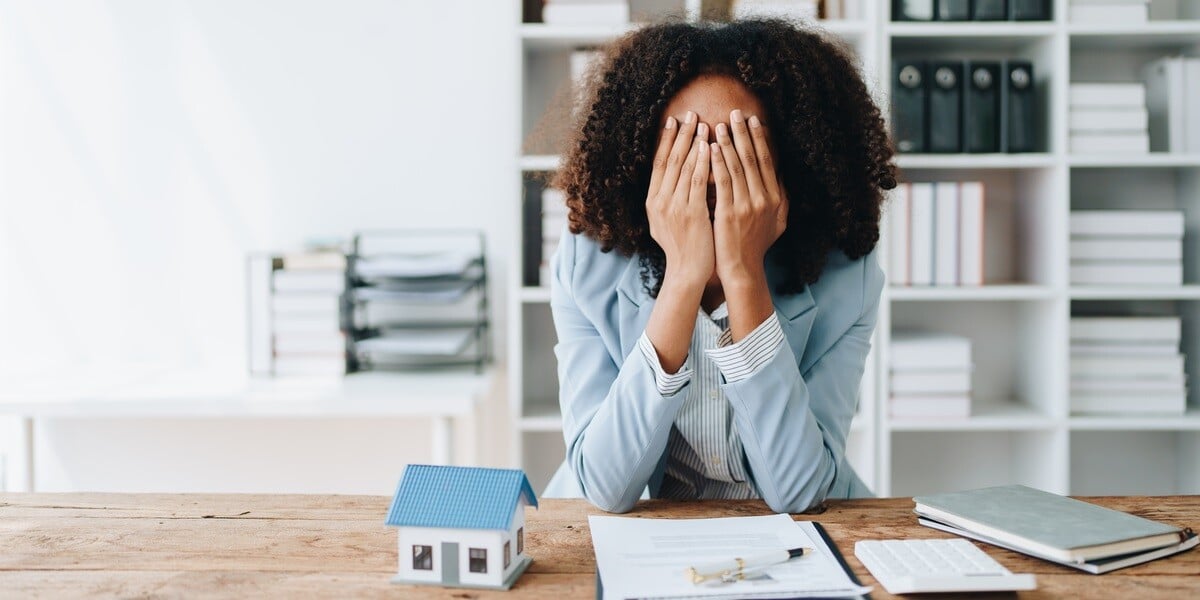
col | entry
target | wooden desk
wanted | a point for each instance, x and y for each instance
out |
(64, 545)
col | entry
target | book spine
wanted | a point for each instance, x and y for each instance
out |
(1191, 78)
(610, 13)
(971, 233)
(1148, 367)
(1119, 14)
(930, 383)
(1083, 143)
(1083, 249)
(1107, 95)
(946, 229)
(1115, 274)
(922, 234)
(1127, 120)
(1127, 223)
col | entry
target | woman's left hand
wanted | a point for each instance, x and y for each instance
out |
(751, 210)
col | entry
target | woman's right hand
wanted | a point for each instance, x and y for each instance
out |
(677, 204)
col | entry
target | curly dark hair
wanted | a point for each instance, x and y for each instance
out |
(832, 151)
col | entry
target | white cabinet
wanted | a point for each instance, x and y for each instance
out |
(1021, 430)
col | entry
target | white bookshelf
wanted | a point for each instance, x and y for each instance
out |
(1021, 429)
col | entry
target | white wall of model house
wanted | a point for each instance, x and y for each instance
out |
(148, 146)
(492, 540)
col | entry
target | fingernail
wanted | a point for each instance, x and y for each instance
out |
(722, 130)
(691, 116)
(702, 131)
(754, 121)
(736, 116)
(716, 148)
(670, 123)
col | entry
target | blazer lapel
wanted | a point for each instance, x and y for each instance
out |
(633, 305)
(797, 312)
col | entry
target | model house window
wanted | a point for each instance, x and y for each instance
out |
(478, 560)
(507, 554)
(423, 558)
(520, 540)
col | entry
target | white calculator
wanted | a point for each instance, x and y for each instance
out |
(956, 565)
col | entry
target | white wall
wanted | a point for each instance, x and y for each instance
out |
(146, 146)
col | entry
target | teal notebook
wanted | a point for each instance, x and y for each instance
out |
(1047, 524)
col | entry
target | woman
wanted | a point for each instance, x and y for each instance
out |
(737, 171)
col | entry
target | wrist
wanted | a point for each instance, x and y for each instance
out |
(743, 277)
(685, 279)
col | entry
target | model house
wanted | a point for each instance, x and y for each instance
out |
(461, 526)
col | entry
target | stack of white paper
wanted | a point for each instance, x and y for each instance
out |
(1127, 365)
(554, 221)
(306, 336)
(783, 9)
(936, 234)
(585, 12)
(931, 375)
(1109, 12)
(1126, 247)
(1172, 93)
(1108, 117)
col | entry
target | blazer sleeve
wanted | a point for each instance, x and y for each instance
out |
(615, 420)
(793, 425)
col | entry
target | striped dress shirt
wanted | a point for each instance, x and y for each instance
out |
(705, 455)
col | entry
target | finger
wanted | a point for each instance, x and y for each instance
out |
(722, 180)
(698, 193)
(679, 151)
(766, 164)
(745, 151)
(686, 171)
(665, 142)
(739, 191)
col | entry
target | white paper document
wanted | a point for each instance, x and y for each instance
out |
(648, 558)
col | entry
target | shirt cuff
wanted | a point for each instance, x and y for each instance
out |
(745, 358)
(668, 384)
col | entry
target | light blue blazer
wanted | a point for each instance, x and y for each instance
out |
(793, 415)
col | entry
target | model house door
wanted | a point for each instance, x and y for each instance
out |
(449, 563)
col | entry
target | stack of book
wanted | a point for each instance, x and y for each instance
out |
(784, 9)
(585, 12)
(295, 326)
(931, 376)
(1069, 532)
(1127, 365)
(1109, 117)
(554, 221)
(936, 234)
(1172, 93)
(1126, 247)
(1109, 12)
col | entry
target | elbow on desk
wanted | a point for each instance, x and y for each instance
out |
(804, 497)
(607, 498)
(615, 505)
(603, 495)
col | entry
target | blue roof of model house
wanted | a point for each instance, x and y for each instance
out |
(458, 497)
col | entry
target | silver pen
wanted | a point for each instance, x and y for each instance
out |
(735, 569)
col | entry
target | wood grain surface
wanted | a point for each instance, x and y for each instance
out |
(200, 546)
